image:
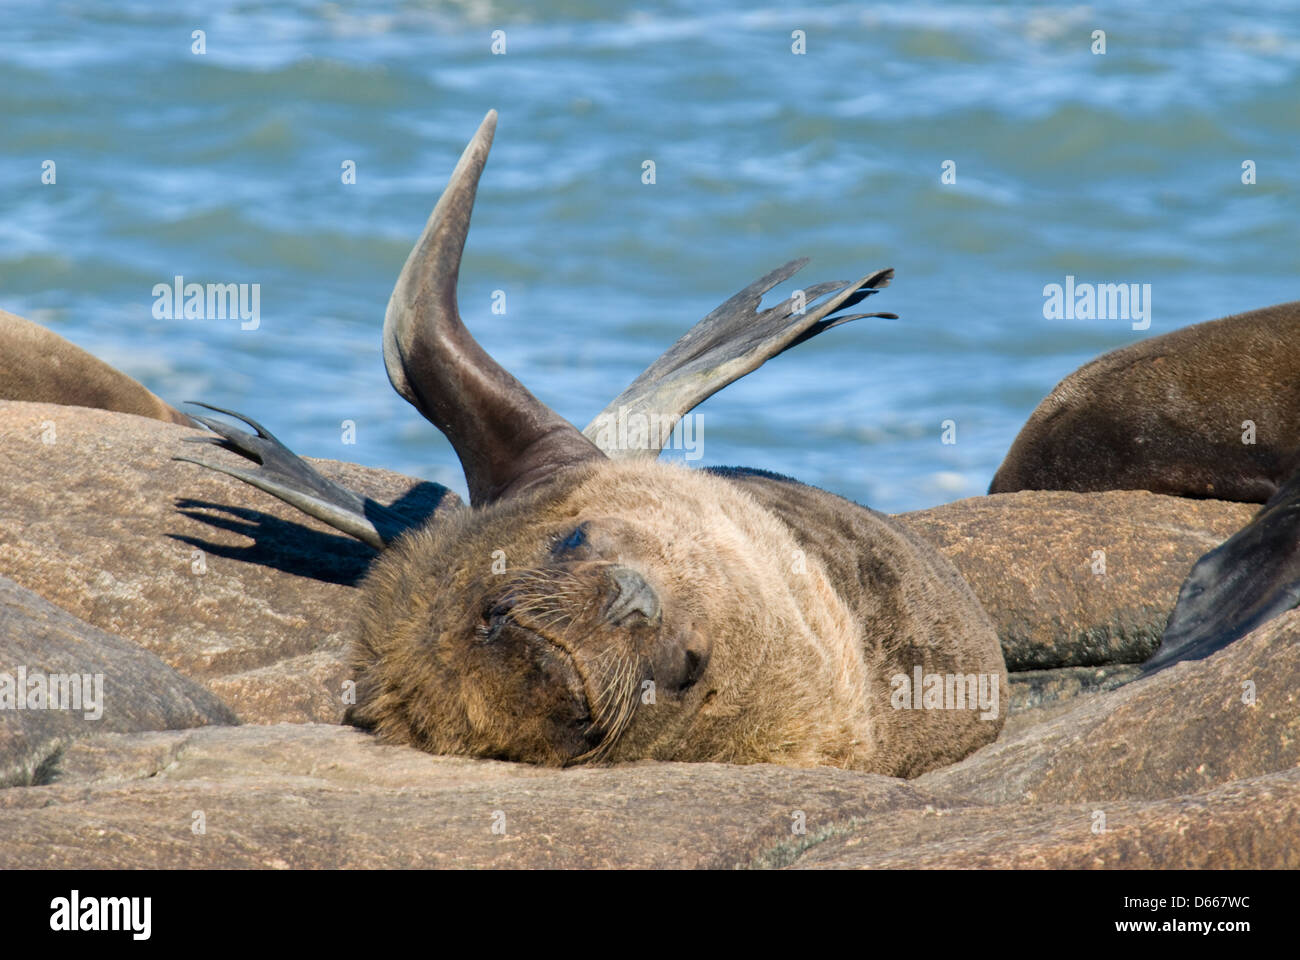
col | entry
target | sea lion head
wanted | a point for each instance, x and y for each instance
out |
(618, 612)
(526, 633)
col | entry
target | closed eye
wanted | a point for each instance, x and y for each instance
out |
(575, 540)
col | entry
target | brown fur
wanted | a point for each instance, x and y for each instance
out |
(38, 365)
(795, 667)
(1166, 415)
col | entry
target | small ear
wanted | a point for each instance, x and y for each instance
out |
(506, 438)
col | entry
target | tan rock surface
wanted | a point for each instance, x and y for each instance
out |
(1252, 824)
(223, 582)
(105, 525)
(134, 691)
(1030, 558)
(311, 795)
(1183, 730)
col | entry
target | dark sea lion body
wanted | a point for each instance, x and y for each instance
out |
(1167, 414)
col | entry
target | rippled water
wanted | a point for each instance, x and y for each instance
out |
(225, 167)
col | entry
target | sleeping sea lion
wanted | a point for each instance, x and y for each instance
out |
(596, 605)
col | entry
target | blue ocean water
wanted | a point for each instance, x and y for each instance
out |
(225, 167)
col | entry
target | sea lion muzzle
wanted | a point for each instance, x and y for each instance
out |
(550, 702)
(572, 647)
(676, 662)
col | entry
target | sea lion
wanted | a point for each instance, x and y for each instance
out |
(40, 366)
(1211, 411)
(597, 607)
(1169, 414)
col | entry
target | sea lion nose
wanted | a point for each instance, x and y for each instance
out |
(633, 595)
(683, 661)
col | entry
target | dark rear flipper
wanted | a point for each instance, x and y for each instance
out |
(1247, 580)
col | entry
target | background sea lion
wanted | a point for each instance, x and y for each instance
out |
(1211, 410)
(38, 365)
(1168, 414)
(591, 607)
